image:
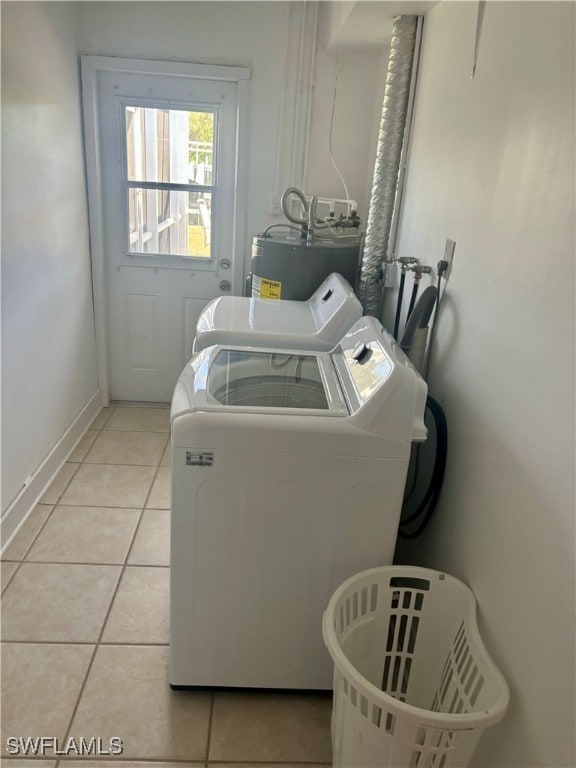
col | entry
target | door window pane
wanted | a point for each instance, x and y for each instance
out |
(167, 147)
(173, 146)
(164, 221)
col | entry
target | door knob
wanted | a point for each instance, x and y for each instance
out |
(225, 285)
(225, 263)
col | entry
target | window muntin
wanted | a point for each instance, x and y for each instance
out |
(170, 180)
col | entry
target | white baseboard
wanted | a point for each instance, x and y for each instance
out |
(34, 489)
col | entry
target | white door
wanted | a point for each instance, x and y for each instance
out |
(168, 160)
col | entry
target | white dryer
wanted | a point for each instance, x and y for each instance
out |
(288, 477)
(318, 323)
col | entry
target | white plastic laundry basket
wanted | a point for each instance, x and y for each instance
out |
(413, 684)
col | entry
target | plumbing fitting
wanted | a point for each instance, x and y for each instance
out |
(406, 262)
(312, 218)
(419, 270)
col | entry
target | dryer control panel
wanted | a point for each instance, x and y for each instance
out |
(383, 390)
(362, 362)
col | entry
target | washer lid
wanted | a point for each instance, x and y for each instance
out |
(260, 317)
(248, 380)
(316, 324)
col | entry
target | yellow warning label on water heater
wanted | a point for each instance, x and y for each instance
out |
(267, 289)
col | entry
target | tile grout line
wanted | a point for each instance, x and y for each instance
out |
(123, 565)
(158, 467)
(79, 464)
(54, 505)
(83, 642)
(174, 760)
(139, 404)
(186, 761)
(85, 460)
(108, 464)
(112, 409)
(210, 721)
(107, 615)
(91, 428)
(14, 572)
(96, 646)
(117, 463)
(148, 431)
(23, 558)
(83, 562)
(107, 506)
(61, 763)
(252, 763)
(39, 503)
(27, 551)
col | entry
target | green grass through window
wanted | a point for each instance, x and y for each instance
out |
(197, 242)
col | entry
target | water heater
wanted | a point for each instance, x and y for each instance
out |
(291, 267)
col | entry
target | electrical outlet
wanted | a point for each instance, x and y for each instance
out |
(449, 256)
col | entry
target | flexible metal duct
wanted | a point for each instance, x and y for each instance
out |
(388, 153)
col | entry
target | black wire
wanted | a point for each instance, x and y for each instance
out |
(399, 304)
(424, 511)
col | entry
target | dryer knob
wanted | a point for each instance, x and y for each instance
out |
(360, 351)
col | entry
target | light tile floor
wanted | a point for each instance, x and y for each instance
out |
(85, 624)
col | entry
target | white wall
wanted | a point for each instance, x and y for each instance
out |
(492, 167)
(350, 82)
(359, 80)
(48, 353)
(335, 13)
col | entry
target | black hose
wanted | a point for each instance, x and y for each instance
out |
(420, 317)
(413, 296)
(433, 326)
(414, 464)
(399, 304)
(425, 509)
(421, 516)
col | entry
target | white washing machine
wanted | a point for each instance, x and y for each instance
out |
(318, 323)
(288, 476)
